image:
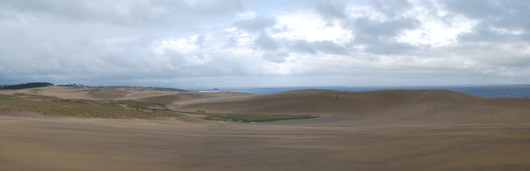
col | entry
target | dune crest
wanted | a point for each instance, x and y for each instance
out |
(403, 106)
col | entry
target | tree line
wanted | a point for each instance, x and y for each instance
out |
(26, 85)
(72, 85)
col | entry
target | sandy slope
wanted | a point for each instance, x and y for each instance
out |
(389, 106)
(34, 142)
(152, 95)
(378, 130)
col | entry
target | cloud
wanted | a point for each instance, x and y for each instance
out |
(484, 33)
(521, 64)
(174, 57)
(391, 8)
(325, 47)
(330, 47)
(389, 28)
(255, 24)
(134, 13)
(498, 19)
(174, 43)
(265, 42)
(199, 41)
(330, 10)
(231, 42)
(276, 58)
(380, 37)
(304, 46)
(512, 15)
(389, 48)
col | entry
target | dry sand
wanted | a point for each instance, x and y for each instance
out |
(379, 130)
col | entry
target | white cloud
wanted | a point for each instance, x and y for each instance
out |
(178, 43)
(436, 33)
(308, 25)
(247, 15)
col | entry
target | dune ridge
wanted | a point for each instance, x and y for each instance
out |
(399, 106)
(372, 130)
(379, 107)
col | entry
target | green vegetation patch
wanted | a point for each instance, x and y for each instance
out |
(140, 105)
(255, 117)
(199, 112)
(249, 117)
(80, 108)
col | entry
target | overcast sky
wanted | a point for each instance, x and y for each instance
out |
(224, 43)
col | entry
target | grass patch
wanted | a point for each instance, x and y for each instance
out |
(81, 108)
(255, 117)
(140, 105)
(199, 112)
(249, 117)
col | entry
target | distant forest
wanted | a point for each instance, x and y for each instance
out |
(72, 85)
(26, 85)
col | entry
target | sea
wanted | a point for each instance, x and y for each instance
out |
(494, 91)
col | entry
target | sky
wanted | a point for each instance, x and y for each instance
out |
(253, 43)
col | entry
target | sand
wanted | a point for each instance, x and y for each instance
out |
(384, 107)
(379, 130)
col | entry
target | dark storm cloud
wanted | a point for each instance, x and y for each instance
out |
(255, 24)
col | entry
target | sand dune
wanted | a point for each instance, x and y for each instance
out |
(33, 142)
(169, 99)
(319, 101)
(94, 93)
(108, 95)
(398, 106)
(383, 106)
(375, 130)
